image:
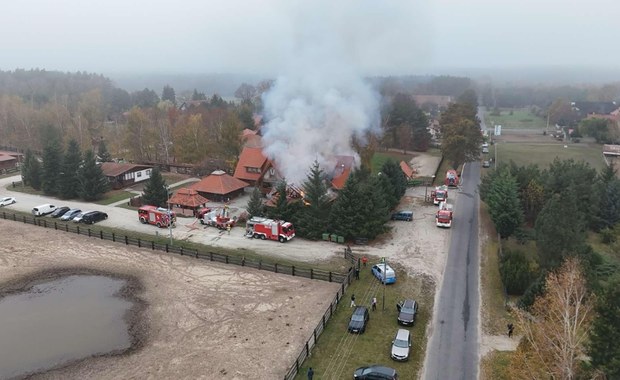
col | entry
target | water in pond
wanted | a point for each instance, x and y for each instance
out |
(59, 321)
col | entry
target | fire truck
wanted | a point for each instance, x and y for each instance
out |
(219, 218)
(440, 194)
(269, 229)
(157, 216)
(443, 218)
(200, 214)
(452, 178)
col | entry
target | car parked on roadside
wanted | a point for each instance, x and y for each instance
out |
(407, 311)
(78, 217)
(359, 320)
(401, 345)
(94, 217)
(69, 215)
(384, 273)
(403, 215)
(375, 372)
(486, 164)
(60, 211)
(485, 150)
(7, 201)
(43, 209)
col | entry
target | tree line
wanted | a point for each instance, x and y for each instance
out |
(558, 208)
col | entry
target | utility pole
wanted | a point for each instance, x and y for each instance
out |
(384, 279)
(169, 213)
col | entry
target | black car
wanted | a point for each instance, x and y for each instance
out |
(60, 211)
(94, 217)
(407, 311)
(375, 372)
(359, 319)
(403, 215)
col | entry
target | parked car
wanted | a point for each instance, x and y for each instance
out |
(72, 213)
(403, 215)
(78, 217)
(60, 211)
(401, 345)
(359, 319)
(407, 311)
(43, 209)
(485, 150)
(94, 217)
(375, 372)
(384, 273)
(7, 201)
(486, 164)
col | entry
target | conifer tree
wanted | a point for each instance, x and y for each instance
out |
(156, 190)
(313, 217)
(399, 183)
(69, 185)
(255, 204)
(504, 204)
(343, 217)
(93, 183)
(26, 167)
(103, 153)
(52, 166)
(605, 335)
(34, 173)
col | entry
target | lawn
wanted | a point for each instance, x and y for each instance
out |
(494, 366)
(114, 196)
(524, 154)
(521, 118)
(338, 353)
(379, 158)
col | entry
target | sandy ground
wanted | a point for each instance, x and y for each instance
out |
(201, 319)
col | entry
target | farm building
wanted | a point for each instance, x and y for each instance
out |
(123, 175)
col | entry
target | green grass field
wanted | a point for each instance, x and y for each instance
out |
(521, 118)
(544, 154)
(338, 353)
(379, 158)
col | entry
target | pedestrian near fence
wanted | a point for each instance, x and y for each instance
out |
(352, 300)
(374, 303)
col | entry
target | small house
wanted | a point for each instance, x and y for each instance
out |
(219, 186)
(123, 175)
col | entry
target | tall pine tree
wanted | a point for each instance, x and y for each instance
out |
(93, 183)
(69, 181)
(52, 166)
(102, 152)
(255, 204)
(394, 173)
(343, 217)
(504, 204)
(26, 167)
(313, 219)
(604, 349)
(156, 190)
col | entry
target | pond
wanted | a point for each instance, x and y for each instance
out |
(53, 323)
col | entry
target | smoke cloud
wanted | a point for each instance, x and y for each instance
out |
(321, 101)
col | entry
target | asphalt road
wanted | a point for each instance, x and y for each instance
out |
(452, 352)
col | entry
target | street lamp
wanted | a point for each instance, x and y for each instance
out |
(169, 213)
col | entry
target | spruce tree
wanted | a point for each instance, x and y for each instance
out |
(343, 217)
(102, 152)
(34, 174)
(313, 219)
(26, 167)
(604, 349)
(93, 183)
(156, 190)
(52, 166)
(504, 204)
(69, 181)
(255, 204)
(399, 183)
(281, 210)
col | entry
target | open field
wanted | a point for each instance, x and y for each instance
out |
(338, 352)
(521, 118)
(379, 158)
(544, 153)
(201, 320)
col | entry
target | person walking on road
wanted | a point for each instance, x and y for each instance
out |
(374, 303)
(511, 328)
(310, 373)
(352, 300)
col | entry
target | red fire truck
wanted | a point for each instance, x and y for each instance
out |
(443, 218)
(452, 178)
(263, 228)
(157, 216)
(219, 218)
(440, 194)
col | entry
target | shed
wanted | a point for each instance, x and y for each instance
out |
(187, 199)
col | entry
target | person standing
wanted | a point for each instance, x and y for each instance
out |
(228, 228)
(357, 273)
(374, 303)
(511, 328)
(310, 373)
(352, 300)
(364, 261)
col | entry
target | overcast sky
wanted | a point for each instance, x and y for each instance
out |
(260, 36)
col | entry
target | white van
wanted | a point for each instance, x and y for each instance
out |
(43, 209)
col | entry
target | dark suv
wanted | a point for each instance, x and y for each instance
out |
(407, 311)
(94, 217)
(403, 215)
(359, 319)
(375, 372)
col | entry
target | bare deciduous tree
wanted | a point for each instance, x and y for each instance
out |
(557, 328)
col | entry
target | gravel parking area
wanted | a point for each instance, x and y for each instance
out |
(201, 320)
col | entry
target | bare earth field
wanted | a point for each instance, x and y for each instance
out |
(200, 320)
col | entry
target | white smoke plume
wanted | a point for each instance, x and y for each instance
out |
(320, 100)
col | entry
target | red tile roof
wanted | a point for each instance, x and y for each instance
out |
(187, 197)
(250, 158)
(247, 132)
(342, 171)
(218, 182)
(112, 169)
(339, 181)
(7, 158)
(406, 169)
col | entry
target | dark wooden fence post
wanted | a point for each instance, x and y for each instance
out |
(153, 245)
(260, 264)
(45, 223)
(311, 274)
(330, 276)
(101, 234)
(293, 270)
(166, 247)
(211, 256)
(55, 226)
(276, 267)
(226, 259)
(78, 230)
(66, 227)
(181, 250)
(113, 237)
(89, 232)
(139, 243)
(126, 240)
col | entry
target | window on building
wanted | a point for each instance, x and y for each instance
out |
(138, 174)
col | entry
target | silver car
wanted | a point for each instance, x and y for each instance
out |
(401, 345)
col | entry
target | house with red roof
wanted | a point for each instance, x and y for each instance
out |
(219, 186)
(342, 171)
(251, 165)
(406, 170)
(187, 199)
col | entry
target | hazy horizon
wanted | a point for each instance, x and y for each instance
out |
(256, 38)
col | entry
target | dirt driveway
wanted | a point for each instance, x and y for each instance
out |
(202, 319)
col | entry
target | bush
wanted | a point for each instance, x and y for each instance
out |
(536, 288)
(515, 271)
